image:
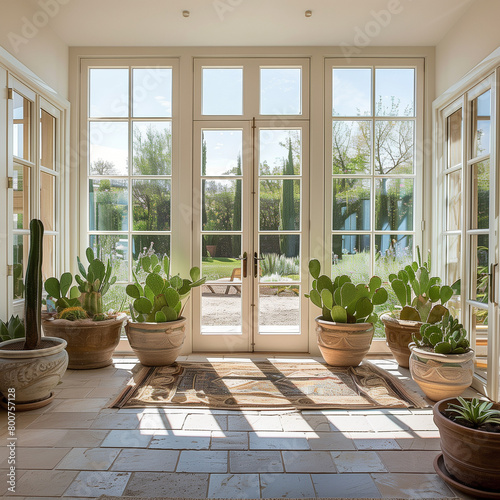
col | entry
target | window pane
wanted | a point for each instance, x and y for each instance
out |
(394, 204)
(481, 114)
(479, 267)
(394, 147)
(108, 94)
(151, 205)
(22, 127)
(108, 148)
(481, 195)
(47, 141)
(280, 91)
(152, 92)
(351, 204)
(48, 201)
(351, 256)
(454, 201)
(221, 255)
(22, 213)
(395, 92)
(221, 152)
(351, 143)
(222, 205)
(20, 250)
(114, 247)
(222, 91)
(393, 252)
(455, 138)
(281, 253)
(280, 152)
(454, 270)
(279, 205)
(481, 332)
(149, 244)
(49, 257)
(279, 309)
(352, 92)
(152, 148)
(108, 205)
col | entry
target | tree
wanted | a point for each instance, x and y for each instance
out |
(288, 213)
(102, 167)
(237, 210)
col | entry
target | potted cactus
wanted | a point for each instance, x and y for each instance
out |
(422, 299)
(345, 328)
(441, 361)
(79, 316)
(157, 330)
(31, 365)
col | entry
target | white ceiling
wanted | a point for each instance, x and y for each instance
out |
(252, 22)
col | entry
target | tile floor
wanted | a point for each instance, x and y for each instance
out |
(78, 448)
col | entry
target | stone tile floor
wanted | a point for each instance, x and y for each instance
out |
(76, 447)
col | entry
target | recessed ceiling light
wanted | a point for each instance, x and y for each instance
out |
(186, 13)
(308, 13)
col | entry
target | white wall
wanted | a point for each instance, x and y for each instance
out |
(471, 39)
(25, 33)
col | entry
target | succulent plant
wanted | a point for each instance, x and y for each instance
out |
(418, 293)
(13, 329)
(343, 302)
(160, 299)
(474, 411)
(62, 292)
(73, 313)
(445, 337)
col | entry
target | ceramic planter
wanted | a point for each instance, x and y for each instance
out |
(343, 344)
(470, 455)
(398, 334)
(33, 374)
(441, 375)
(90, 343)
(157, 344)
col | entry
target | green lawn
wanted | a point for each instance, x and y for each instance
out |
(220, 267)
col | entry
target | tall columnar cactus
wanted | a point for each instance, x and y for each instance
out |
(33, 288)
(160, 299)
(342, 301)
(417, 292)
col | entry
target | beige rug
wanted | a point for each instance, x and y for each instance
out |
(266, 385)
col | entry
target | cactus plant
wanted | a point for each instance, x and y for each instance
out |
(13, 329)
(343, 302)
(418, 293)
(73, 313)
(160, 299)
(446, 337)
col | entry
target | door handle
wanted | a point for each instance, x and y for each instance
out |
(256, 264)
(244, 260)
(493, 293)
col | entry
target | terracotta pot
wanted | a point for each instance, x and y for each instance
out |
(211, 249)
(32, 374)
(90, 343)
(441, 375)
(398, 334)
(343, 344)
(157, 344)
(470, 455)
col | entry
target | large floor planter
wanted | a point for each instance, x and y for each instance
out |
(32, 374)
(157, 344)
(90, 343)
(470, 455)
(343, 344)
(441, 375)
(398, 335)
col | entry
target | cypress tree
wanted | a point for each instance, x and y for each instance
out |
(204, 251)
(288, 206)
(237, 211)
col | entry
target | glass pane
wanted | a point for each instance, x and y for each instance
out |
(395, 92)
(481, 124)
(152, 92)
(352, 92)
(392, 253)
(22, 215)
(351, 146)
(48, 201)
(394, 147)
(279, 310)
(280, 91)
(351, 256)
(221, 152)
(351, 204)
(47, 142)
(108, 205)
(453, 271)
(151, 205)
(20, 251)
(149, 244)
(116, 298)
(280, 257)
(280, 152)
(454, 202)
(21, 127)
(108, 148)
(220, 255)
(279, 205)
(479, 267)
(479, 327)
(394, 204)
(221, 209)
(108, 92)
(481, 195)
(222, 91)
(49, 256)
(114, 247)
(152, 148)
(455, 139)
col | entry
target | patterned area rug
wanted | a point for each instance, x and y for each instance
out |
(266, 385)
